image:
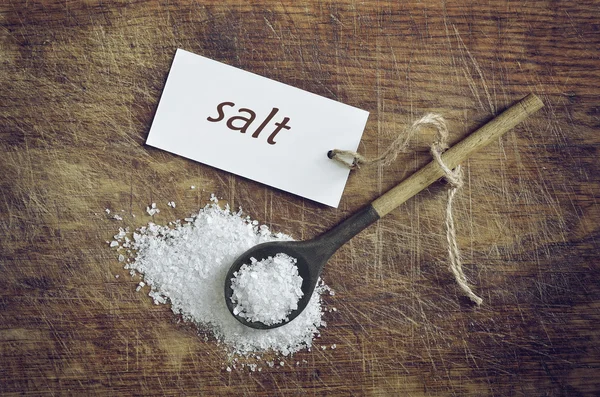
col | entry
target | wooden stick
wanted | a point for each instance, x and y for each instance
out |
(485, 135)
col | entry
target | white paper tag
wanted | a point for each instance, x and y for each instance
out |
(255, 127)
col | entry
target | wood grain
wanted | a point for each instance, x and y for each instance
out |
(79, 84)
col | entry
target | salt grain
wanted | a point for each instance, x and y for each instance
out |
(152, 210)
(186, 265)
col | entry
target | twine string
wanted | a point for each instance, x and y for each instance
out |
(354, 160)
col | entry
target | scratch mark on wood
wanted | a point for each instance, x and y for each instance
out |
(472, 84)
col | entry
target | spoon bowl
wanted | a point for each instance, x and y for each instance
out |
(312, 255)
(300, 250)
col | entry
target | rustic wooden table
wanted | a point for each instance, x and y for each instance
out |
(79, 84)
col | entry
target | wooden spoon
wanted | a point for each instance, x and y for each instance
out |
(313, 254)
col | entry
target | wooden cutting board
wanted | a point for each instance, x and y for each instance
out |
(79, 84)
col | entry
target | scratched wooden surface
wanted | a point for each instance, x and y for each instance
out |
(80, 82)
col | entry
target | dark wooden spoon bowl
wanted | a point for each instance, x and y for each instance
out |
(313, 254)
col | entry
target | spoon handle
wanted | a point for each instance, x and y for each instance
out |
(458, 153)
(329, 242)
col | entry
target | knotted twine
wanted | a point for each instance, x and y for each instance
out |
(453, 177)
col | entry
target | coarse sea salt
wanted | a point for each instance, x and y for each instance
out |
(186, 265)
(267, 291)
(152, 209)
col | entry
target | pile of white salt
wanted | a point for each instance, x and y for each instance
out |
(186, 264)
(267, 291)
